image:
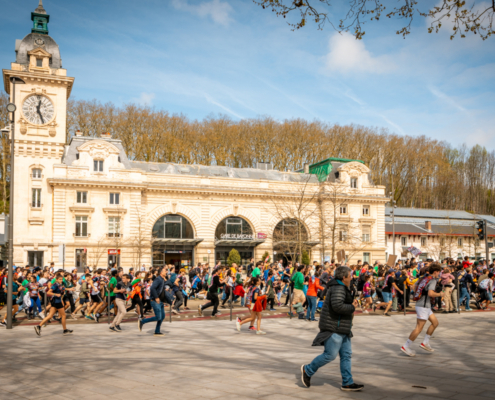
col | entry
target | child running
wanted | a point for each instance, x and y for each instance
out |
(256, 303)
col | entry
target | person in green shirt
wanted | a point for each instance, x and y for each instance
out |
(256, 272)
(298, 279)
(111, 286)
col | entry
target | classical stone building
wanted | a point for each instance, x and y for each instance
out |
(105, 208)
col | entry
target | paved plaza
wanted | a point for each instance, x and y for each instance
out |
(211, 360)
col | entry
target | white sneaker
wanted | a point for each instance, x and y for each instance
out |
(260, 333)
(407, 351)
(238, 325)
(427, 347)
(366, 312)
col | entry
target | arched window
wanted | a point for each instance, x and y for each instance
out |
(289, 230)
(234, 228)
(173, 227)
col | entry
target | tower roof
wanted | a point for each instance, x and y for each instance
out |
(40, 9)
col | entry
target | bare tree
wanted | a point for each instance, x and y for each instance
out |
(97, 250)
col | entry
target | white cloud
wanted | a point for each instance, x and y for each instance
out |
(218, 11)
(146, 99)
(350, 55)
(445, 98)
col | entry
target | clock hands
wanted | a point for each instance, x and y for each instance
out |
(39, 112)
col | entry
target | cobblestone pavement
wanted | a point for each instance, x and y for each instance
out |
(211, 360)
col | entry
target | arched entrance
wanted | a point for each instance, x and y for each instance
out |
(290, 239)
(235, 233)
(173, 241)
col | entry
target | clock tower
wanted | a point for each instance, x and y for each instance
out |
(40, 137)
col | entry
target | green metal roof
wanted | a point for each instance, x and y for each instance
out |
(323, 168)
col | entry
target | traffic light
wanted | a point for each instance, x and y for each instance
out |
(480, 227)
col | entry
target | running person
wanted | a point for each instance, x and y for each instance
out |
(56, 291)
(120, 291)
(425, 288)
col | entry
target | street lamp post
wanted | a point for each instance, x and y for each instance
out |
(392, 213)
(11, 108)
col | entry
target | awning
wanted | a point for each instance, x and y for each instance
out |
(239, 243)
(167, 242)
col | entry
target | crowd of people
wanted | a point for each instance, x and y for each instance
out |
(334, 290)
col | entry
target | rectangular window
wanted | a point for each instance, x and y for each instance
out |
(82, 197)
(366, 234)
(39, 62)
(459, 242)
(114, 198)
(81, 226)
(36, 173)
(36, 198)
(114, 226)
(424, 241)
(442, 241)
(343, 209)
(98, 165)
(343, 235)
(403, 241)
(366, 211)
(354, 183)
(366, 257)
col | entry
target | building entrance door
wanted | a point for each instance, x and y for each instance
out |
(35, 258)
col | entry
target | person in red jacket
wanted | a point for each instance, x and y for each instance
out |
(312, 295)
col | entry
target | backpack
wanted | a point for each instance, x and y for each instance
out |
(421, 288)
(484, 284)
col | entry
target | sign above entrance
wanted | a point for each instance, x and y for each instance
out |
(262, 235)
(175, 252)
(236, 236)
(113, 252)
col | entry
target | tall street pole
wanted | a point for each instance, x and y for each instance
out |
(11, 107)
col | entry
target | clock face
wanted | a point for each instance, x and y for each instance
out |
(38, 110)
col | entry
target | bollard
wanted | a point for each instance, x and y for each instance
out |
(170, 313)
(231, 301)
(45, 296)
(405, 297)
(108, 311)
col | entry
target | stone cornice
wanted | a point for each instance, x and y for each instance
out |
(199, 189)
(37, 77)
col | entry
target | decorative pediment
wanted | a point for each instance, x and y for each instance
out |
(98, 149)
(354, 168)
(39, 52)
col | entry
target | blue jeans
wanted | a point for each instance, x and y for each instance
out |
(465, 295)
(310, 314)
(159, 310)
(35, 301)
(335, 344)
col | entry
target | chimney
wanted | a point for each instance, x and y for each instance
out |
(306, 168)
(106, 135)
(78, 133)
(428, 225)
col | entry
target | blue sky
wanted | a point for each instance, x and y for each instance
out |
(210, 57)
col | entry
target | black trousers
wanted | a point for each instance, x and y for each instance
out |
(271, 302)
(227, 295)
(289, 292)
(179, 299)
(69, 298)
(214, 301)
(136, 301)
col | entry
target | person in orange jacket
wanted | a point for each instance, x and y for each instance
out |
(312, 295)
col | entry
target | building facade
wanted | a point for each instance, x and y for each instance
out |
(105, 209)
(437, 234)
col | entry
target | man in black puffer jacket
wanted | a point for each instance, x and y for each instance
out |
(335, 330)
